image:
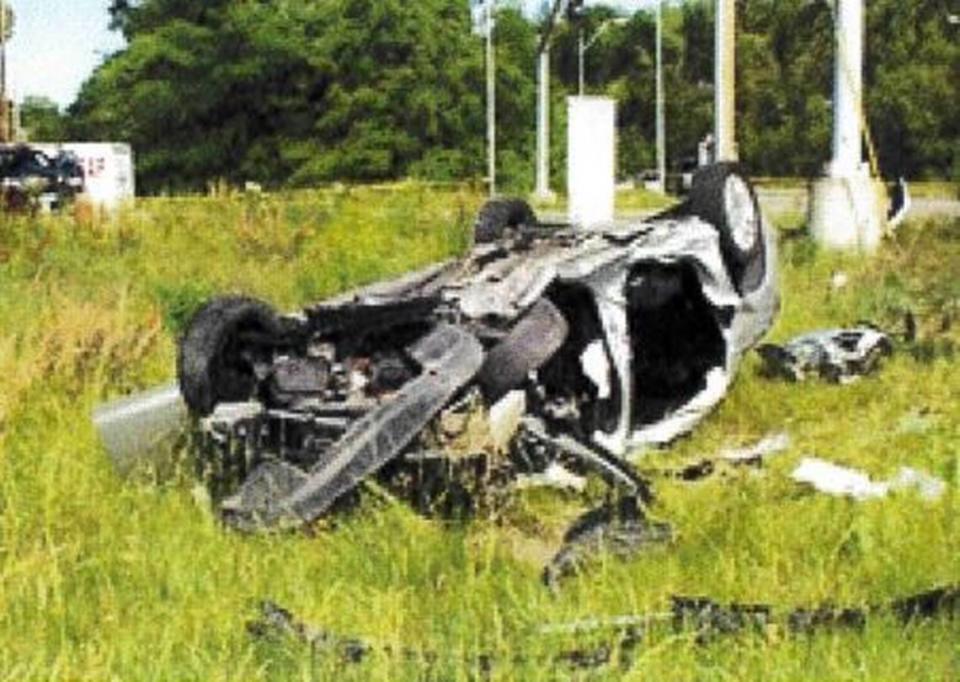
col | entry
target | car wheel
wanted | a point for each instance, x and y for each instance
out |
(497, 215)
(213, 364)
(532, 341)
(723, 197)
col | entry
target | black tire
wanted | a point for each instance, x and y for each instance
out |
(722, 196)
(497, 215)
(533, 340)
(210, 365)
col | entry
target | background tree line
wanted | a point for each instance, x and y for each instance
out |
(296, 92)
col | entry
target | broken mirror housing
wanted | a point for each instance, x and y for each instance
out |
(544, 343)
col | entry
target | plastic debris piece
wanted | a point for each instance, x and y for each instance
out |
(927, 486)
(833, 479)
(554, 476)
(754, 454)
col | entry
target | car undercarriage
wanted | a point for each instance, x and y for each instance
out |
(543, 345)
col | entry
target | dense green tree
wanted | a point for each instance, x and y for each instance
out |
(299, 92)
(42, 119)
(302, 92)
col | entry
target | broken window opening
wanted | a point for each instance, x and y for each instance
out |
(675, 338)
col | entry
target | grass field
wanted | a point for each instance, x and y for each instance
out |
(102, 578)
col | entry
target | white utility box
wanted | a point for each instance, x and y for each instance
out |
(108, 169)
(591, 159)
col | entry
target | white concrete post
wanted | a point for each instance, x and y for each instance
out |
(543, 126)
(847, 206)
(724, 70)
(591, 159)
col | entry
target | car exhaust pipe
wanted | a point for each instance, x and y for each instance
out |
(135, 429)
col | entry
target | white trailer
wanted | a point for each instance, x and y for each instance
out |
(108, 168)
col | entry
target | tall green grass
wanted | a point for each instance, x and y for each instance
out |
(102, 578)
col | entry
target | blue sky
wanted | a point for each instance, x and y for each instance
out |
(57, 44)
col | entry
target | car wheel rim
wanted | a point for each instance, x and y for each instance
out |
(741, 213)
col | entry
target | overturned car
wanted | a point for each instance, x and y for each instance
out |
(544, 344)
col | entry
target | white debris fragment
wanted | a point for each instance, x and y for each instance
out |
(839, 279)
(504, 418)
(768, 445)
(928, 487)
(554, 476)
(834, 479)
(837, 480)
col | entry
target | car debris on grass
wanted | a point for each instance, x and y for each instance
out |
(702, 619)
(833, 479)
(835, 355)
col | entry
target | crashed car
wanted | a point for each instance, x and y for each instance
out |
(543, 344)
(29, 175)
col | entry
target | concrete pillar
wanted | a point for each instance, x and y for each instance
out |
(847, 208)
(542, 190)
(591, 160)
(724, 72)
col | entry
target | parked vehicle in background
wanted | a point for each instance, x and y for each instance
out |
(109, 178)
(31, 178)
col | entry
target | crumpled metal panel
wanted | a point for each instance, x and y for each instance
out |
(837, 355)
(449, 358)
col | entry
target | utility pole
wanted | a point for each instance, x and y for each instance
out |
(580, 50)
(724, 70)
(583, 46)
(543, 124)
(491, 102)
(4, 110)
(661, 116)
(542, 190)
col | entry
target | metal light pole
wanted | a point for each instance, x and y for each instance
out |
(543, 124)
(491, 102)
(580, 50)
(724, 69)
(582, 46)
(661, 116)
(4, 114)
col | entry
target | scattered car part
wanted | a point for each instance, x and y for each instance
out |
(133, 429)
(900, 204)
(276, 622)
(836, 355)
(832, 479)
(756, 453)
(751, 455)
(620, 530)
(704, 618)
